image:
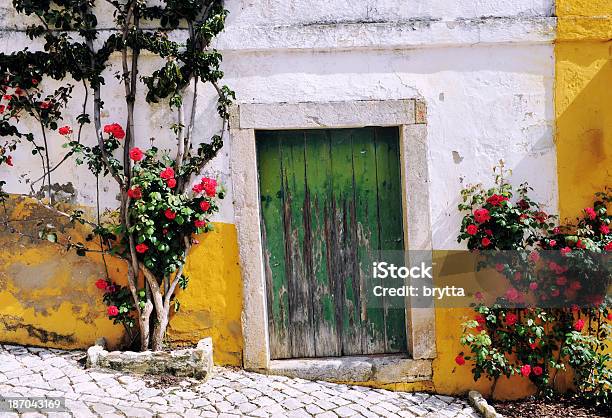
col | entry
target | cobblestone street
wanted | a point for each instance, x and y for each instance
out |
(38, 372)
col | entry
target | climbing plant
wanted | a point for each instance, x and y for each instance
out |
(554, 313)
(161, 202)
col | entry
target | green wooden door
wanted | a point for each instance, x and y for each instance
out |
(330, 202)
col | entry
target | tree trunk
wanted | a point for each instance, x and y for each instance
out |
(143, 322)
(159, 331)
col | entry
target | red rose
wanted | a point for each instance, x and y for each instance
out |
(552, 243)
(45, 105)
(565, 250)
(533, 346)
(112, 310)
(65, 130)
(512, 294)
(165, 231)
(496, 200)
(9, 160)
(485, 242)
(460, 360)
(199, 224)
(575, 285)
(481, 215)
(579, 244)
(523, 204)
(167, 173)
(7, 97)
(609, 316)
(488, 232)
(2, 108)
(534, 256)
(171, 183)
(115, 130)
(204, 205)
(135, 193)
(578, 325)
(480, 319)
(101, 284)
(34, 81)
(556, 230)
(471, 229)
(210, 186)
(590, 212)
(561, 281)
(604, 229)
(537, 370)
(541, 217)
(517, 275)
(18, 91)
(608, 246)
(499, 267)
(197, 188)
(170, 214)
(136, 154)
(142, 248)
(533, 286)
(511, 318)
(526, 370)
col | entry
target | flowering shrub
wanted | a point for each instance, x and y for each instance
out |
(553, 314)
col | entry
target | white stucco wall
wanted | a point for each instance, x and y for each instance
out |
(487, 82)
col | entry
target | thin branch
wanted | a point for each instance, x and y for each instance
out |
(70, 153)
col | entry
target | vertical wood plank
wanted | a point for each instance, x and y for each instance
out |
(368, 242)
(317, 210)
(391, 228)
(342, 258)
(271, 194)
(299, 283)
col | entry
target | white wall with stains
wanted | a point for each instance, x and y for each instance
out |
(485, 69)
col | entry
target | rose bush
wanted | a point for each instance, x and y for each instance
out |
(553, 314)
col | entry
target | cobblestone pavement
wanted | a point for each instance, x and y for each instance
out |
(39, 372)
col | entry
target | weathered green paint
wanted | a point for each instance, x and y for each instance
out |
(331, 201)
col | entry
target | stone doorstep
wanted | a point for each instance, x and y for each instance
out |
(382, 369)
(187, 362)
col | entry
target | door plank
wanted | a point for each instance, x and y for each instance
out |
(368, 242)
(391, 230)
(343, 257)
(316, 212)
(271, 194)
(299, 284)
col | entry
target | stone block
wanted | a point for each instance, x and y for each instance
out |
(189, 362)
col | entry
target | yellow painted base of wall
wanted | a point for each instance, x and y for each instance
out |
(48, 297)
(211, 305)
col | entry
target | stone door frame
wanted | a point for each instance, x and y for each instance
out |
(409, 115)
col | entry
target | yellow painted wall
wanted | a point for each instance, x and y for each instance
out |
(48, 296)
(583, 102)
(211, 305)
